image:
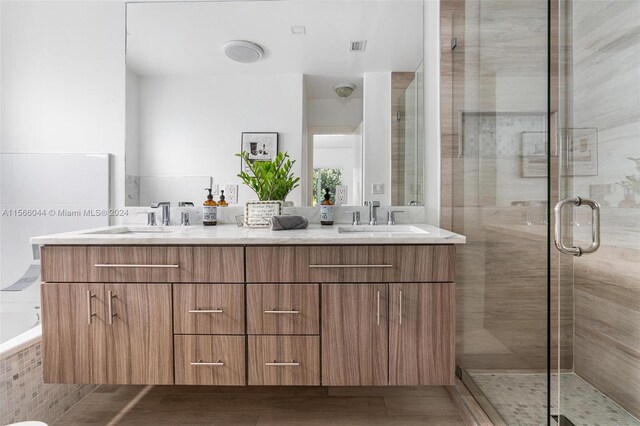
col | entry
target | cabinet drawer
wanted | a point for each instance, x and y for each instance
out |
(344, 264)
(283, 309)
(284, 360)
(208, 309)
(210, 360)
(142, 264)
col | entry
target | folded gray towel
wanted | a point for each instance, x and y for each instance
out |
(282, 223)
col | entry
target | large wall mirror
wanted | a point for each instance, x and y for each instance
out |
(339, 82)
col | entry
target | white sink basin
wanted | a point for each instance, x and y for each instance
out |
(139, 230)
(388, 229)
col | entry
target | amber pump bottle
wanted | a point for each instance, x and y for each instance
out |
(326, 209)
(209, 210)
(222, 202)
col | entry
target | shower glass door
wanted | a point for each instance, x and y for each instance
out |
(598, 297)
(496, 150)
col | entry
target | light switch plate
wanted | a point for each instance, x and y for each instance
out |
(215, 189)
(377, 188)
(231, 194)
(341, 194)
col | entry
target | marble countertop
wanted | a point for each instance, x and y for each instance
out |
(234, 235)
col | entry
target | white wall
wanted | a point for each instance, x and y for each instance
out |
(63, 80)
(377, 135)
(335, 112)
(192, 125)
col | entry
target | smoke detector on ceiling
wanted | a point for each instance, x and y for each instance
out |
(358, 46)
(243, 51)
(344, 90)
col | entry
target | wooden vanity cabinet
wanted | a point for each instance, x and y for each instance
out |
(107, 333)
(355, 334)
(366, 315)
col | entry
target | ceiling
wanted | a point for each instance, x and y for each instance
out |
(186, 38)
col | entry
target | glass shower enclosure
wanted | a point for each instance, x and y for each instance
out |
(542, 145)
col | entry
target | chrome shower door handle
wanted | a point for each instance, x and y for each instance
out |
(595, 226)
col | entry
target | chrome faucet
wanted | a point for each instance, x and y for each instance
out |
(391, 216)
(184, 216)
(166, 211)
(373, 212)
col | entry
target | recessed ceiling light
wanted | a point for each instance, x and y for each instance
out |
(298, 30)
(243, 51)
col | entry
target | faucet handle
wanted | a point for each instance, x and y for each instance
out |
(184, 219)
(185, 204)
(391, 216)
(355, 217)
(151, 218)
(372, 203)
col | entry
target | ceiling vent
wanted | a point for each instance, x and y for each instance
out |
(357, 46)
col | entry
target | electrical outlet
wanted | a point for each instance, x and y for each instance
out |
(215, 189)
(377, 188)
(341, 194)
(231, 194)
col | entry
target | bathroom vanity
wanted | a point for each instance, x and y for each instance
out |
(236, 306)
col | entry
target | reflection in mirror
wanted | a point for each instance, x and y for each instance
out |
(341, 83)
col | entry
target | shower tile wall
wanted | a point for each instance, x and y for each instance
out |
(606, 92)
(23, 396)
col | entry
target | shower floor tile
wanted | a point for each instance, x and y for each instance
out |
(521, 398)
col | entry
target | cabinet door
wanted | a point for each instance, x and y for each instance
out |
(73, 333)
(354, 334)
(422, 334)
(139, 334)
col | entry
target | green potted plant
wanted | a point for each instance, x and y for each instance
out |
(272, 181)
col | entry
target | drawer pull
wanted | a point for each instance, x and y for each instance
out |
(350, 266)
(126, 265)
(205, 311)
(90, 314)
(202, 363)
(282, 364)
(275, 311)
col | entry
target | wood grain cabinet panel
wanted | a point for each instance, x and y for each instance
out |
(355, 335)
(107, 333)
(422, 334)
(211, 264)
(139, 334)
(208, 309)
(143, 264)
(344, 264)
(210, 360)
(73, 333)
(284, 360)
(276, 264)
(283, 309)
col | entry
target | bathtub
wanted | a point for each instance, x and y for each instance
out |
(16, 318)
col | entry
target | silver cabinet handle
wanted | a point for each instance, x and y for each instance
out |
(378, 309)
(595, 226)
(90, 314)
(400, 307)
(110, 297)
(202, 363)
(205, 311)
(282, 364)
(127, 265)
(275, 311)
(350, 266)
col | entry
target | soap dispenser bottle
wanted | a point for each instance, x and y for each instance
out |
(326, 209)
(209, 210)
(222, 202)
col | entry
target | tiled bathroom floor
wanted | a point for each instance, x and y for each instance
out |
(230, 406)
(520, 399)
